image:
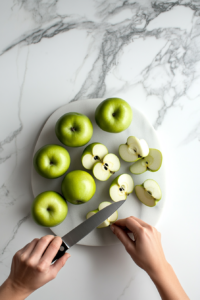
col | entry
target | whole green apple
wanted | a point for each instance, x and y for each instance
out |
(51, 161)
(78, 187)
(113, 115)
(74, 129)
(49, 209)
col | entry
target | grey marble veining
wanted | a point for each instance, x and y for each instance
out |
(147, 52)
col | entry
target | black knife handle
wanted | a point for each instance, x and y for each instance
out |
(61, 252)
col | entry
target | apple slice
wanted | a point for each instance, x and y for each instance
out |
(93, 153)
(121, 187)
(114, 216)
(149, 193)
(134, 149)
(152, 162)
(102, 170)
(106, 223)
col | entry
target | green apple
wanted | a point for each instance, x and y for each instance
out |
(152, 162)
(114, 216)
(78, 187)
(110, 164)
(93, 153)
(113, 115)
(121, 187)
(74, 129)
(49, 209)
(149, 193)
(108, 221)
(134, 149)
(51, 161)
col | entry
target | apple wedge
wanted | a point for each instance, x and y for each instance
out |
(134, 149)
(110, 164)
(114, 216)
(149, 193)
(106, 223)
(121, 187)
(152, 162)
(93, 153)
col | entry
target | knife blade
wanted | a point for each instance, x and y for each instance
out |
(83, 229)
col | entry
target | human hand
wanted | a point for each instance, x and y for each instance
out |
(31, 269)
(146, 250)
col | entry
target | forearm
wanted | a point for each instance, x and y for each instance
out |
(168, 284)
(8, 291)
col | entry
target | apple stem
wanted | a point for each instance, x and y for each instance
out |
(73, 129)
(113, 114)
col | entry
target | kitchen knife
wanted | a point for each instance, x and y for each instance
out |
(79, 232)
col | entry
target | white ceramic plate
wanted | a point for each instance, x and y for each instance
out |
(141, 128)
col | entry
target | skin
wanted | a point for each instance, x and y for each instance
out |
(51, 161)
(74, 129)
(78, 187)
(113, 115)
(49, 209)
(30, 270)
(147, 253)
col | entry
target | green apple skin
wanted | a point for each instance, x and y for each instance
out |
(113, 115)
(51, 161)
(49, 209)
(74, 129)
(78, 187)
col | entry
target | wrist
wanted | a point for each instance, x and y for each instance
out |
(11, 290)
(160, 272)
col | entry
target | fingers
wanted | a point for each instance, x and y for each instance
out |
(130, 223)
(41, 246)
(60, 263)
(52, 249)
(124, 238)
(26, 251)
(141, 222)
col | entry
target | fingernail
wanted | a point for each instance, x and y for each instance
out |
(112, 228)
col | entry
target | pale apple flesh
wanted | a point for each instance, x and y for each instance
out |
(134, 149)
(106, 223)
(152, 162)
(104, 169)
(121, 187)
(114, 216)
(93, 153)
(149, 193)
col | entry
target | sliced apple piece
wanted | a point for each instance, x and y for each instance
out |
(91, 213)
(93, 153)
(152, 162)
(134, 149)
(121, 187)
(114, 216)
(149, 193)
(102, 170)
(106, 223)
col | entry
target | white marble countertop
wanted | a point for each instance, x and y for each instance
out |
(146, 52)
